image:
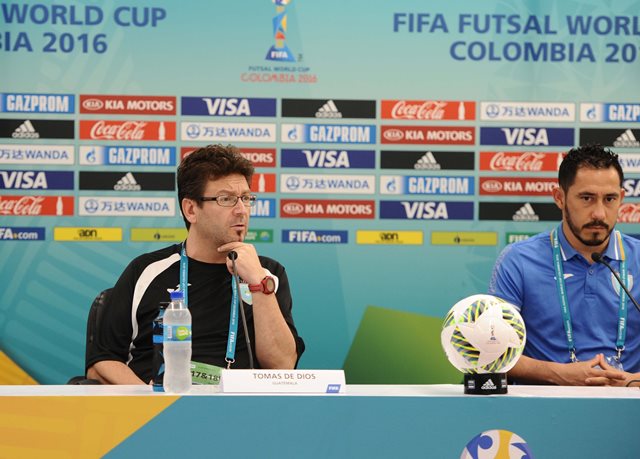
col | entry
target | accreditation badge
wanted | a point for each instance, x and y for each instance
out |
(614, 361)
(202, 373)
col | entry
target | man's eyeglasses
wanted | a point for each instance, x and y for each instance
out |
(224, 200)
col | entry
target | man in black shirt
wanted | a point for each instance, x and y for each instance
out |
(215, 200)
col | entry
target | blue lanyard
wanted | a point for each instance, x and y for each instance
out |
(233, 315)
(564, 302)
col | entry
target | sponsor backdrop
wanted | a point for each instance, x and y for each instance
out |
(398, 146)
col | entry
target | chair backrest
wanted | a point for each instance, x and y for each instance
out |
(95, 315)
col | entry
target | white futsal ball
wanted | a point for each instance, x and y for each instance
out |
(483, 334)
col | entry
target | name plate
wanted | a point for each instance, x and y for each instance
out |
(283, 381)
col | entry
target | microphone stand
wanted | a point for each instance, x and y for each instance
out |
(597, 257)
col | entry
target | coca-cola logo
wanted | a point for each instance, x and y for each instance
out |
(418, 110)
(25, 205)
(293, 208)
(393, 135)
(492, 186)
(92, 104)
(629, 213)
(129, 130)
(529, 161)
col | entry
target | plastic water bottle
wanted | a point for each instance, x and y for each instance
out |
(158, 343)
(177, 345)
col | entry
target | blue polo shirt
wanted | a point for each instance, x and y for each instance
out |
(524, 276)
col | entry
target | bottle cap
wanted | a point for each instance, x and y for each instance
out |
(176, 295)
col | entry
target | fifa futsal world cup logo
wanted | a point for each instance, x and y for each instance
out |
(280, 51)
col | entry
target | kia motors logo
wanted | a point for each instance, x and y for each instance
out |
(293, 208)
(492, 186)
(92, 104)
(393, 135)
(129, 130)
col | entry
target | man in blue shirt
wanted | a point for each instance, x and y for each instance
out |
(579, 330)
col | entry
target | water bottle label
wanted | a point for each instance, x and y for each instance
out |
(178, 333)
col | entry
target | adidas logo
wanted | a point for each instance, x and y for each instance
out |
(626, 140)
(525, 214)
(328, 110)
(25, 131)
(427, 162)
(488, 385)
(127, 183)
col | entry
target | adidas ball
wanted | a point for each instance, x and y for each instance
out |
(483, 334)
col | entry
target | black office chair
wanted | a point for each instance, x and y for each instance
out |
(95, 315)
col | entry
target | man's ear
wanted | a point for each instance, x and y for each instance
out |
(559, 197)
(189, 209)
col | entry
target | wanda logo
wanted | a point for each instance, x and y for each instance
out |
(529, 161)
(129, 130)
(629, 213)
(427, 110)
(26, 205)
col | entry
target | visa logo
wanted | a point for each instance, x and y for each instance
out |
(327, 158)
(23, 180)
(425, 210)
(526, 136)
(222, 106)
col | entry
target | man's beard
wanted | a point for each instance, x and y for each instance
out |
(594, 241)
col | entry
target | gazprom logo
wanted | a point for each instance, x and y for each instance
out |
(592, 112)
(37, 103)
(328, 133)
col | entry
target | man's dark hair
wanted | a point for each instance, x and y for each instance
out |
(593, 156)
(209, 163)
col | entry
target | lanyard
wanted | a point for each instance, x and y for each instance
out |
(233, 315)
(564, 302)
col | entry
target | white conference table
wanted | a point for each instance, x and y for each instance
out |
(366, 421)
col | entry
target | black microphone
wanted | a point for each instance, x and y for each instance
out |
(232, 256)
(597, 257)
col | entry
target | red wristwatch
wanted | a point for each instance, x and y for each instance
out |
(266, 286)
